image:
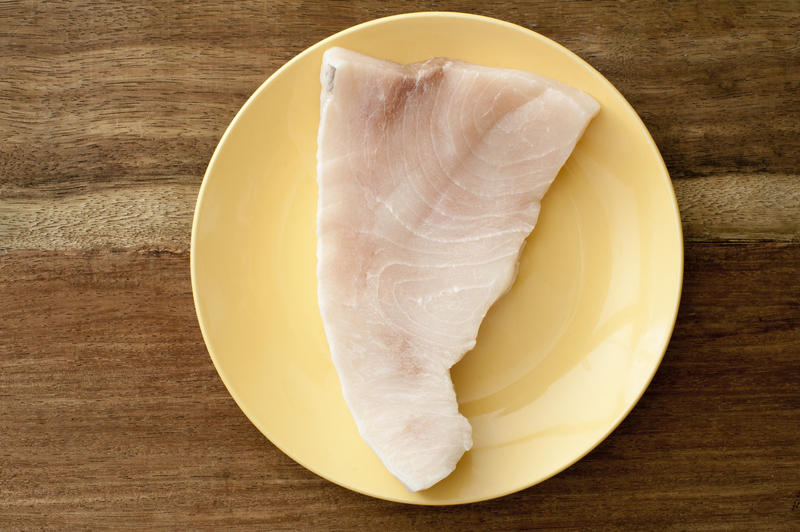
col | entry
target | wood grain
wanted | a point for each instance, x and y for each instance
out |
(738, 207)
(157, 215)
(111, 414)
(136, 96)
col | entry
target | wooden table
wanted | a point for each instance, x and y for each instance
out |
(111, 414)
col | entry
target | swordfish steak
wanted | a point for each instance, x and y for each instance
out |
(430, 179)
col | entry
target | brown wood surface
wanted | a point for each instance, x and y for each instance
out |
(111, 414)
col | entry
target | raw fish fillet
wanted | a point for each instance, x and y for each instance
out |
(430, 179)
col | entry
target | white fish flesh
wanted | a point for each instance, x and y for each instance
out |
(430, 179)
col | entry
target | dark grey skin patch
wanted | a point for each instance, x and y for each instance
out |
(328, 76)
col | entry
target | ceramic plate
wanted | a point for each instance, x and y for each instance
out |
(560, 360)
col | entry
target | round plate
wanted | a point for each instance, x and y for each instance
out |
(560, 360)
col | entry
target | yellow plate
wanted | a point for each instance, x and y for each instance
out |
(560, 360)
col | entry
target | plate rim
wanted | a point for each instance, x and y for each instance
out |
(454, 15)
